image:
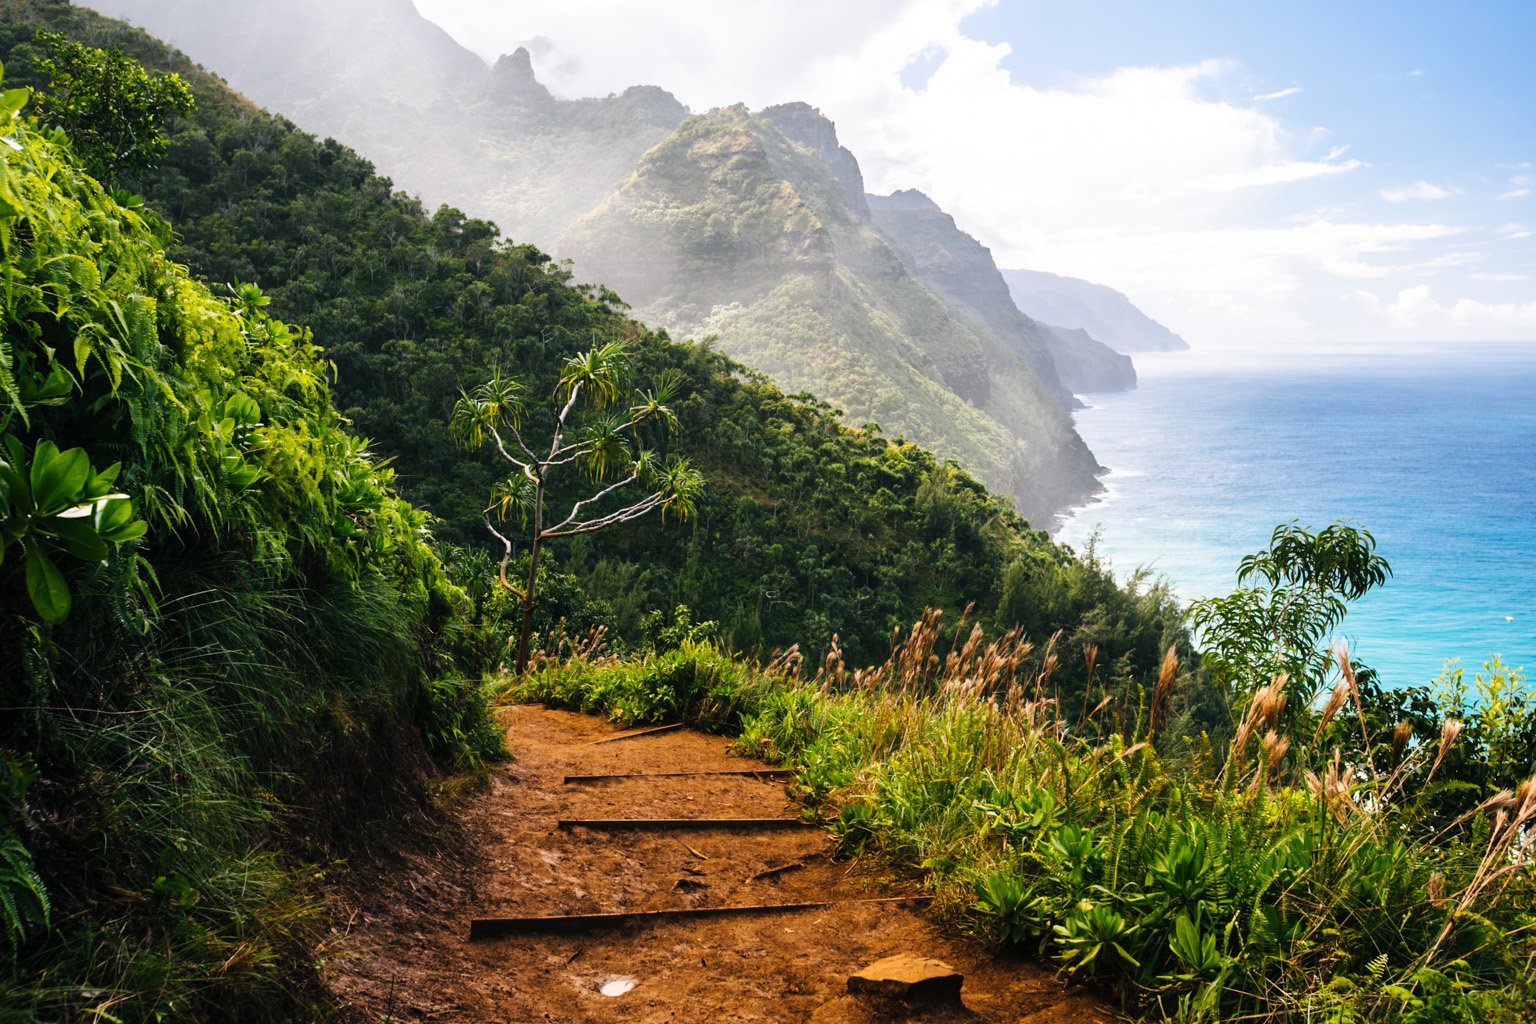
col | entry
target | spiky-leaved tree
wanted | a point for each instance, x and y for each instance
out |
(596, 419)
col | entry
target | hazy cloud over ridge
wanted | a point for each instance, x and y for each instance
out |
(1181, 184)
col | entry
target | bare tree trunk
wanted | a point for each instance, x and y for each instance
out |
(533, 576)
(527, 626)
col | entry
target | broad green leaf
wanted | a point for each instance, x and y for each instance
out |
(80, 539)
(57, 477)
(12, 100)
(46, 586)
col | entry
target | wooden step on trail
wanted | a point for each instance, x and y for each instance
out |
(750, 773)
(636, 734)
(497, 927)
(660, 824)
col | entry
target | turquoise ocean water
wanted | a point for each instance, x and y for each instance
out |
(1431, 448)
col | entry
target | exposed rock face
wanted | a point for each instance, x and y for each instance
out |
(805, 124)
(1101, 311)
(512, 79)
(1086, 365)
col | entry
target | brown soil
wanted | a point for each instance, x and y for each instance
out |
(404, 952)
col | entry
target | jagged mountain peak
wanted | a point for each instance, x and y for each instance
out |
(908, 199)
(512, 78)
(808, 126)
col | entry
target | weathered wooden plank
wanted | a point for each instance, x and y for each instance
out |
(763, 773)
(496, 927)
(652, 731)
(662, 824)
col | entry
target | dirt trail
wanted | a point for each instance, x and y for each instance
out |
(405, 953)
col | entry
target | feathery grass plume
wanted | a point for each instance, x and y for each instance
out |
(833, 673)
(1449, 730)
(786, 663)
(1335, 790)
(1336, 698)
(1347, 673)
(1507, 854)
(1275, 747)
(1402, 732)
(1090, 662)
(1263, 710)
(1158, 713)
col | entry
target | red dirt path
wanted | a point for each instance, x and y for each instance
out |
(405, 954)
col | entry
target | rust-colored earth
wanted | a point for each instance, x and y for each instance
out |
(404, 952)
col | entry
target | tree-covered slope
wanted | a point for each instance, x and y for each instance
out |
(491, 141)
(728, 228)
(961, 269)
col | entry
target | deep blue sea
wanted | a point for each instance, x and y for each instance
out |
(1431, 447)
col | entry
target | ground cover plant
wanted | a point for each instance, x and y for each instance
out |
(1275, 878)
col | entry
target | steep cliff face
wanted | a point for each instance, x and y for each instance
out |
(730, 228)
(1101, 311)
(1085, 365)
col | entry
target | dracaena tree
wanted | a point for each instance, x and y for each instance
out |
(597, 416)
(1290, 598)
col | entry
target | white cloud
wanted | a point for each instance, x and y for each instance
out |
(1416, 311)
(1514, 232)
(1418, 190)
(1521, 187)
(1277, 95)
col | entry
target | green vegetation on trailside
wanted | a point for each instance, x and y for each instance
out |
(226, 640)
(1330, 869)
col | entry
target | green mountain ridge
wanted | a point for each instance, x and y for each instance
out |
(729, 229)
(548, 169)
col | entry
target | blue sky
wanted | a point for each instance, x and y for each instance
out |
(1431, 89)
(1255, 175)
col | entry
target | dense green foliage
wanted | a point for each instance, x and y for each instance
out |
(1279, 884)
(113, 110)
(224, 621)
(1290, 598)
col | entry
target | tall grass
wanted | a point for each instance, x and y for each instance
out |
(1266, 881)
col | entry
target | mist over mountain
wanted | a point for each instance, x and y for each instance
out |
(1098, 309)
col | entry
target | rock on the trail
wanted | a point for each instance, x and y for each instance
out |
(908, 977)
